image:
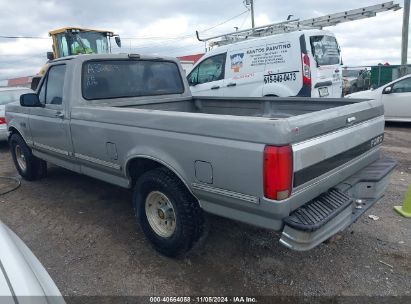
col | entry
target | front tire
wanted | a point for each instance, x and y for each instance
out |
(353, 89)
(29, 167)
(169, 215)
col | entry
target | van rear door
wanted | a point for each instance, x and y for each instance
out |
(325, 70)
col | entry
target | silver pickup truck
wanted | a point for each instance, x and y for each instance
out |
(306, 167)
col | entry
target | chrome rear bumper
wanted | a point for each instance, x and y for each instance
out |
(331, 212)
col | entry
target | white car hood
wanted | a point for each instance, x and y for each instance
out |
(5, 291)
(21, 273)
(369, 94)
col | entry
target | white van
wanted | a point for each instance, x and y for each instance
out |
(300, 63)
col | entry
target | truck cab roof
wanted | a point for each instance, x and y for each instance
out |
(85, 57)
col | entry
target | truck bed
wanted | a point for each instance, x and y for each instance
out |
(271, 107)
(270, 120)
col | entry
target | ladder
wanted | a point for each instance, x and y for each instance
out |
(297, 25)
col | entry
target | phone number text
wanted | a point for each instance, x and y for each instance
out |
(280, 77)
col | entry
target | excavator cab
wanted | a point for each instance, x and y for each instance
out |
(74, 41)
(71, 41)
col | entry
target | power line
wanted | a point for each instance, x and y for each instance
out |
(170, 50)
(170, 40)
(224, 21)
(188, 35)
(245, 19)
(155, 38)
(22, 37)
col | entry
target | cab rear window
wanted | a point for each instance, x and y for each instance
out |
(325, 49)
(130, 78)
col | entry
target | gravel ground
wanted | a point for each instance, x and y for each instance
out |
(84, 233)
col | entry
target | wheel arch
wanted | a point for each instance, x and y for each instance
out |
(13, 130)
(279, 90)
(140, 164)
(270, 95)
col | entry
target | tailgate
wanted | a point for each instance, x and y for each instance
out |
(317, 156)
(342, 136)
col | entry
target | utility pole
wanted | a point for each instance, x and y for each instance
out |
(404, 41)
(252, 12)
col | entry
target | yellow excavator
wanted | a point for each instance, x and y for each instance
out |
(68, 41)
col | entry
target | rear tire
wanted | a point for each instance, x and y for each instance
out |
(169, 215)
(29, 167)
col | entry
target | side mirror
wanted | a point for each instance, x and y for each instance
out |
(118, 41)
(30, 100)
(50, 56)
(387, 90)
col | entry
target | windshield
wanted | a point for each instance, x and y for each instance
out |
(82, 43)
(12, 95)
(350, 73)
(325, 50)
(130, 78)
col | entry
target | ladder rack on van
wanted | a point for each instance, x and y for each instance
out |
(296, 24)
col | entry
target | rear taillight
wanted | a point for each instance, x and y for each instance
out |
(2, 120)
(278, 172)
(306, 69)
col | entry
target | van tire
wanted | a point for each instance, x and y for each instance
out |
(28, 166)
(165, 186)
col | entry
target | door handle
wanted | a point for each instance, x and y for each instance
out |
(215, 87)
(231, 84)
(59, 114)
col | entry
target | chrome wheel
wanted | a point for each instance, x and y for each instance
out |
(160, 214)
(21, 159)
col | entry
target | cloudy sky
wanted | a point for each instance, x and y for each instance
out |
(168, 27)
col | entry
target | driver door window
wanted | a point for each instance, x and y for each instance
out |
(207, 79)
(403, 86)
(54, 85)
(211, 69)
(397, 102)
